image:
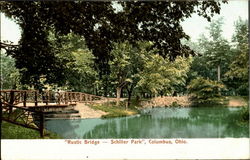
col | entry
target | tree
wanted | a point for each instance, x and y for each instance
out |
(217, 50)
(9, 73)
(100, 24)
(79, 70)
(119, 67)
(126, 64)
(199, 66)
(205, 91)
(239, 67)
(214, 54)
(142, 51)
(82, 74)
(139, 67)
(161, 76)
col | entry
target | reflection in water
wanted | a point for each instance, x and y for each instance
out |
(206, 122)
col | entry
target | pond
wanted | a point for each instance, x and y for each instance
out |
(202, 122)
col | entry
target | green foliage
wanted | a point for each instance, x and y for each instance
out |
(10, 76)
(121, 63)
(245, 114)
(175, 104)
(83, 75)
(216, 50)
(160, 76)
(78, 60)
(214, 54)
(215, 30)
(128, 61)
(114, 111)
(205, 91)
(141, 68)
(100, 24)
(12, 131)
(237, 75)
(157, 21)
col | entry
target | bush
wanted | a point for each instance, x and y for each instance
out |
(205, 91)
(175, 104)
(245, 114)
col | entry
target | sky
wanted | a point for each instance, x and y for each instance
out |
(193, 26)
(196, 25)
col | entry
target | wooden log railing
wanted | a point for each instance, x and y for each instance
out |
(15, 105)
(23, 116)
(15, 97)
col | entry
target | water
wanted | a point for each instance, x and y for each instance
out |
(205, 122)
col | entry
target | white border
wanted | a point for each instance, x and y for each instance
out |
(227, 148)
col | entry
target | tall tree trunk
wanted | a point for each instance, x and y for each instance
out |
(129, 96)
(105, 90)
(118, 95)
(122, 94)
(219, 78)
(130, 89)
(218, 73)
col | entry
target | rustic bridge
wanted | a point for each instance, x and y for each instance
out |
(29, 108)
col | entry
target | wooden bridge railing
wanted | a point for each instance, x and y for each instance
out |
(14, 105)
(15, 97)
(23, 116)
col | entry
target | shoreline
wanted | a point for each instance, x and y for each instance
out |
(87, 112)
(183, 101)
(166, 101)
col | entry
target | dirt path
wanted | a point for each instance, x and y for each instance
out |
(87, 112)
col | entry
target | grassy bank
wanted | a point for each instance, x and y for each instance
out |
(12, 131)
(225, 101)
(117, 111)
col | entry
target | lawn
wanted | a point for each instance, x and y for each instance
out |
(115, 111)
(12, 131)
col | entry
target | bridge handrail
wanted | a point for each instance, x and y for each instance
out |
(25, 122)
(13, 90)
(47, 96)
(19, 107)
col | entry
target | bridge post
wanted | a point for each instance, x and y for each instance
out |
(12, 99)
(24, 98)
(80, 97)
(47, 98)
(69, 96)
(41, 125)
(66, 97)
(59, 98)
(35, 98)
(86, 97)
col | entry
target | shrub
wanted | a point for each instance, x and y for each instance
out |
(205, 91)
(175, 104)
(245, 114)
